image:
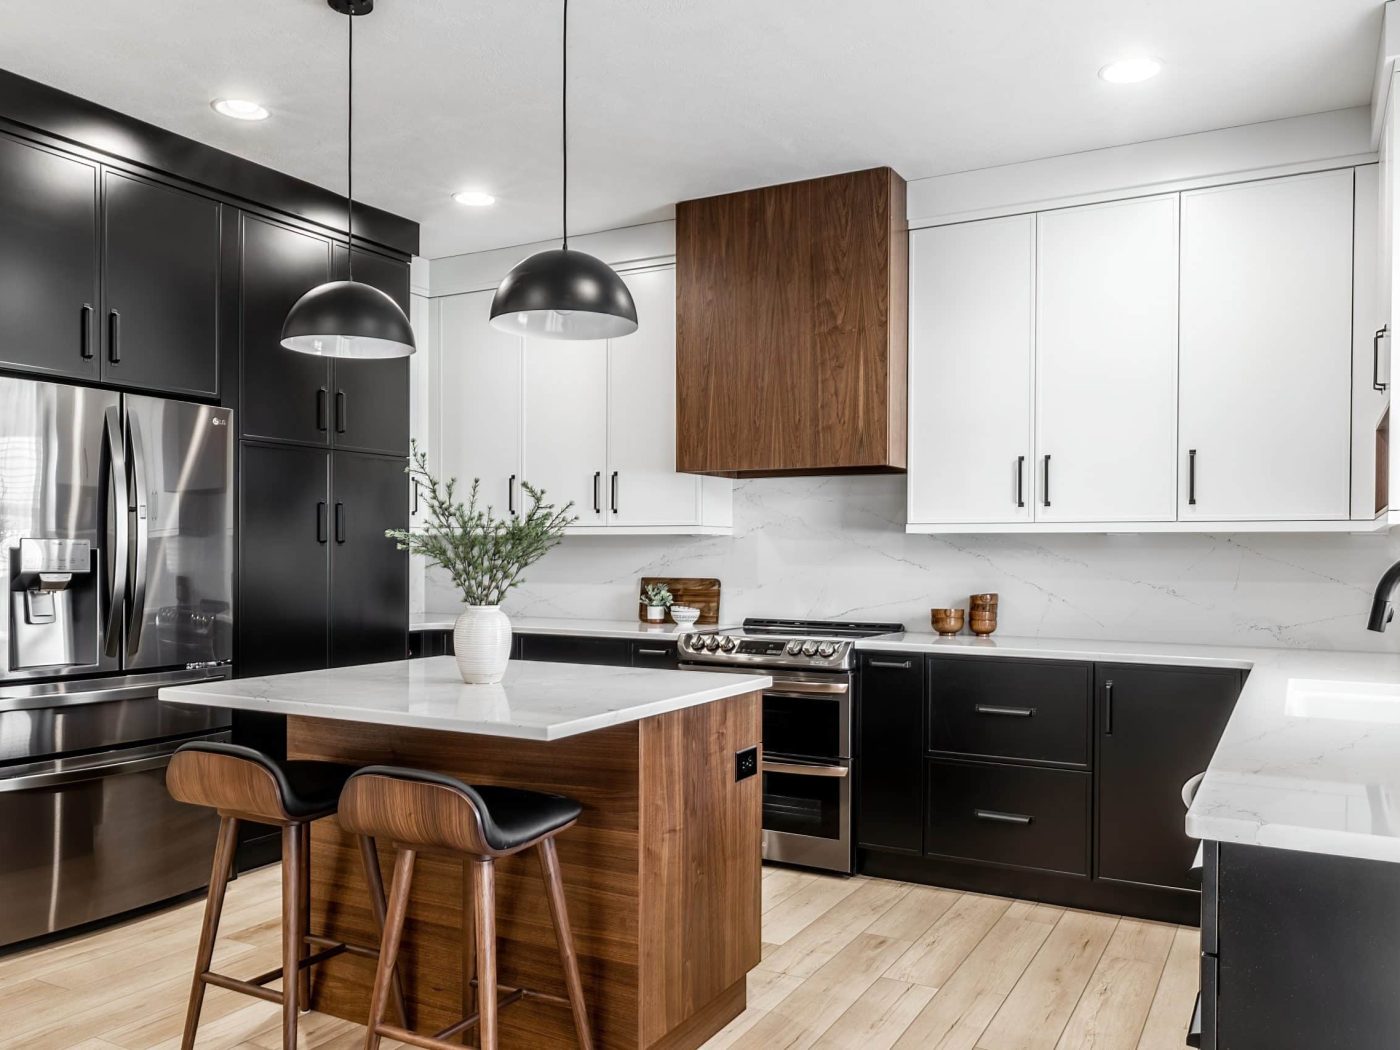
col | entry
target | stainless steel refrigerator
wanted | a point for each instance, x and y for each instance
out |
(116, 566)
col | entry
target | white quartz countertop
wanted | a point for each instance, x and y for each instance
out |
(1065, 649)
(577, 628)
(536, 701)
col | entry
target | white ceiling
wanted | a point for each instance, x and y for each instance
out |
(673, 99)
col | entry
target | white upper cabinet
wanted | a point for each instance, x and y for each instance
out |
(566, 424)
(971, 347)
(643, 487)
(1106, 362)
(1266, 351)
(477, 400)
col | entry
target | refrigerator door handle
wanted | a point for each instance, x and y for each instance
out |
(121, 521)
(141, 556)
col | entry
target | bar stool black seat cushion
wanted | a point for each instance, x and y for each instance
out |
(309, 790)
(510, 817)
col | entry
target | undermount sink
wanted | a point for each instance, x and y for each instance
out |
(1343, 701)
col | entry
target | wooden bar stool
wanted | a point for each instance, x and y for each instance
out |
(427, 812)
(245, 784)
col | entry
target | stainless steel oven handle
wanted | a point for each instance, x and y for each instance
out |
(794, 687)
(143, 535)
(74, 776)
(804, 769)
(121, 521)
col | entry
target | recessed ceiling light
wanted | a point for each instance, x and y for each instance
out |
(474, 198)
(1131, 70)
(239, 109)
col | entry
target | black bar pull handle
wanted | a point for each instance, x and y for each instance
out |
(614, 492)
(892, 665)
(114, 337)
(321, 394)
(1005, 712)
(597, 492)
(321, 522)
(340, 522)
(510, 494)
(415, 497)
(1108, 708)
(1045, 487)
(340, 411)
(1191, 477)
(85, 338)
(998, 817)
(1020, 481)
(1376, 383)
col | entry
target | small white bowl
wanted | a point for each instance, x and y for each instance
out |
(684, 615)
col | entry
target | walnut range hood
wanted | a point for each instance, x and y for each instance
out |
(792, 329)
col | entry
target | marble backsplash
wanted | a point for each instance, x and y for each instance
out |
(835, 547)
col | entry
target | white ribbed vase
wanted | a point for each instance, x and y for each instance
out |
(481, 641)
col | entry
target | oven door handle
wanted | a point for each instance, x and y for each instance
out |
(32, 781)
(805, 769)
(788, 687)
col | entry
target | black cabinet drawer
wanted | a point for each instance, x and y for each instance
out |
(1016, 815)
(558, 648)
(1023, 710)
(654, 654)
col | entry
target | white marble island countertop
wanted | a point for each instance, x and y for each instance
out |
(536, 701)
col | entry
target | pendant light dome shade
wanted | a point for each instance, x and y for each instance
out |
(564, 294)
(347, 319)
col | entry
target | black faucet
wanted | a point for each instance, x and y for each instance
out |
(1382, 612)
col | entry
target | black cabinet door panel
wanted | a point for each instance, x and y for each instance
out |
(48, 261)
(160, 326)
(1157, 728)
(284, 559)
(285, 395)
(890, 765)
(370, 410)
(1024, 710)
(655, 654)
(566, 649)
(369, 575)
(1017, 815)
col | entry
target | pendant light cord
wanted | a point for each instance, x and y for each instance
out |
(563, 112)
(350, 147)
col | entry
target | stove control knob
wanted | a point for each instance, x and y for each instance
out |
(728, 644)
(794, 648)
(711, 643)
(826, 650)
(809, 648)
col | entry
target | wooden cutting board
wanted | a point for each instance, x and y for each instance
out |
(703, 594)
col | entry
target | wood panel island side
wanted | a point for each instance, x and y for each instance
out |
(661, 872)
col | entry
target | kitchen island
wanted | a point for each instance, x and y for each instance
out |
(661, 873)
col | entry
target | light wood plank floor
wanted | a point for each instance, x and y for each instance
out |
(848, 964)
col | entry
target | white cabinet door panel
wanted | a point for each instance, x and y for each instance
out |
(478, 399)
(1106, 347)
(566, 424)
(643, 486)
(1266, 349)
(971, 341)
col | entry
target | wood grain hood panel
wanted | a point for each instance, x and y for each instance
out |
(792, 328)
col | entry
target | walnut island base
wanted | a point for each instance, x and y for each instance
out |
(661, 875)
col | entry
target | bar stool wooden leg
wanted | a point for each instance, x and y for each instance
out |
(304, 909)
(291, 932)
(389, 945)
(484, 877)
(369, 860)
(558, 911)
(214, 905)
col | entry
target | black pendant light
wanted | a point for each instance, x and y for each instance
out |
(348, 319)
(562, 293)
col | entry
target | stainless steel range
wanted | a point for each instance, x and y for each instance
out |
(808, 727)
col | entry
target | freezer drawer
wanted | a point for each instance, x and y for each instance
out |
(89, 838)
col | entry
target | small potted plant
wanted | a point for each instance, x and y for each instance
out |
(485, 555)
(657, 598)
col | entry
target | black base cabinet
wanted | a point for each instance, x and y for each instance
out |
(617, 652)
(1298, 950)
(1053, 780)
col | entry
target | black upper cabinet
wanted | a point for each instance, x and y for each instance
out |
(160, 316)
(889, 754)
(370, 410)
(369, 576)
(285, 395)
(284, 558)
(48, 261)
(1157, 727)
